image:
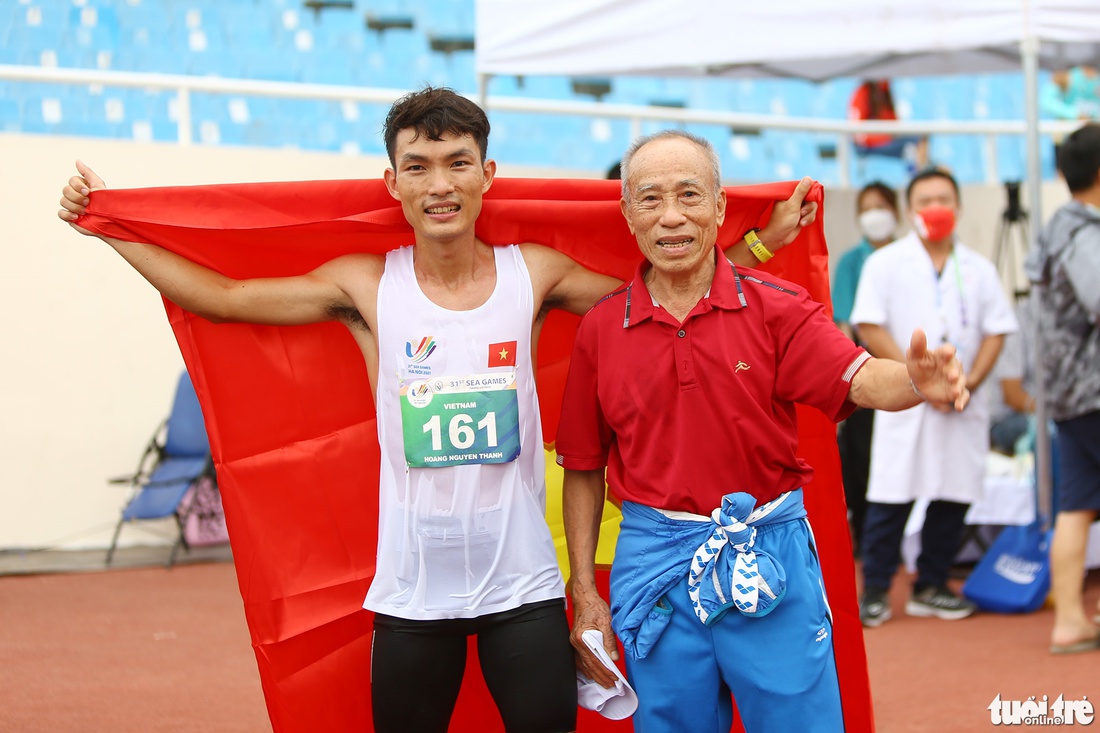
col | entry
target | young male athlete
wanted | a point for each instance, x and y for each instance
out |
(463, 545)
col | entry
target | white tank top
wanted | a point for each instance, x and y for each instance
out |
(462, 497)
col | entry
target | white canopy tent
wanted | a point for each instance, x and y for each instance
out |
(806, 39)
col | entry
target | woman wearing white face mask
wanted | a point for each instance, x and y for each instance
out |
(877, 211)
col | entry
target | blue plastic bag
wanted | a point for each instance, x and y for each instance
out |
(1014, 574)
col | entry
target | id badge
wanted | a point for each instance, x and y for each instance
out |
(457, 421)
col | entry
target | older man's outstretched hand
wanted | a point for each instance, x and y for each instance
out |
(937, 375)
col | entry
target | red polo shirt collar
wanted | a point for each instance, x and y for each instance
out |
(725, 293)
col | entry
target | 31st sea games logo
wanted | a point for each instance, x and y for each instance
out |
(418, 354)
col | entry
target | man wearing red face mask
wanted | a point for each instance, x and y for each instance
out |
(927, 280)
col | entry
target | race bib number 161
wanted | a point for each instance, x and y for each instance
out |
(454, 421)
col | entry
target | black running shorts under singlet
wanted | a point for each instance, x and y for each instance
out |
(525, 655)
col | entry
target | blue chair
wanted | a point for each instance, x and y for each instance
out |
(176, 457)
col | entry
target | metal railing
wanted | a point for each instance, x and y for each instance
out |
(184, 86)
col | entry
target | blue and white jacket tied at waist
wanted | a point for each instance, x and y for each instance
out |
(724, 566)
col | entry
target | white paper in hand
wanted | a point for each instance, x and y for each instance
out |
(615, 703)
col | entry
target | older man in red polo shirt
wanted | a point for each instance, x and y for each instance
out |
(682, 387)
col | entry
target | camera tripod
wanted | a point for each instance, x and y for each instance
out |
(1012, 242)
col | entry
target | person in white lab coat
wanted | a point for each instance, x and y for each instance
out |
(927, 280)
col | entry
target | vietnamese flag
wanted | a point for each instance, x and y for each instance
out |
(291, 421)
(502, 354)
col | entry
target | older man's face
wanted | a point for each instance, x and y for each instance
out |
(671, 206)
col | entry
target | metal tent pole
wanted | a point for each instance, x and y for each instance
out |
(1029, 52)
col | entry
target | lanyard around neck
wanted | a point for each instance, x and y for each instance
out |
(963, 318)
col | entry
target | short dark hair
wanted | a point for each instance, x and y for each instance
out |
(883, 190)
(925, 175)
(1079, 157)
(433, 111)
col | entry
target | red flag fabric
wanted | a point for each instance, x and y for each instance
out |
(291, 417)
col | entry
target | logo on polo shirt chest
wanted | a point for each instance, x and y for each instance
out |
(741, 367)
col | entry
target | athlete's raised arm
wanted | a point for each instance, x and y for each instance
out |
(320, 295)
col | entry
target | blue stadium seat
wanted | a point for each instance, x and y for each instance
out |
(546, 87)
(965, 157)
(443, 17)
(799, 97)
(702, 93)
(569, 141)
(317, 68)
(271, 65)
(607, 139)
(397, 54)
(891, 171)
(340, 29)
(10, 53)
(1008, 91)
(154, 103)
(371, 120)
(809, 161)
(634, 90)
(161, 59)
(59, 56)
(956, 97)
(318, 131)
(511, 139)
(143, 14)
(9, 115)
(247, 36)
(93, 24)
(52, 107)
(385, 7)
(211, 107)
(826, 168)
(14, 90)
(505, 86)
(35, 38)
(10, 14)
(455, 70)
(831, 99)
(1011, 161)
(919, 95)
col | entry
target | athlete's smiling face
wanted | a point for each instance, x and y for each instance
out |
(673, 205)
(440, 183)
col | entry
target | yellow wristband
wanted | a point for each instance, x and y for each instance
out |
(757, 247)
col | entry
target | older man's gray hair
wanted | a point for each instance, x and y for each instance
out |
(641, 142)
